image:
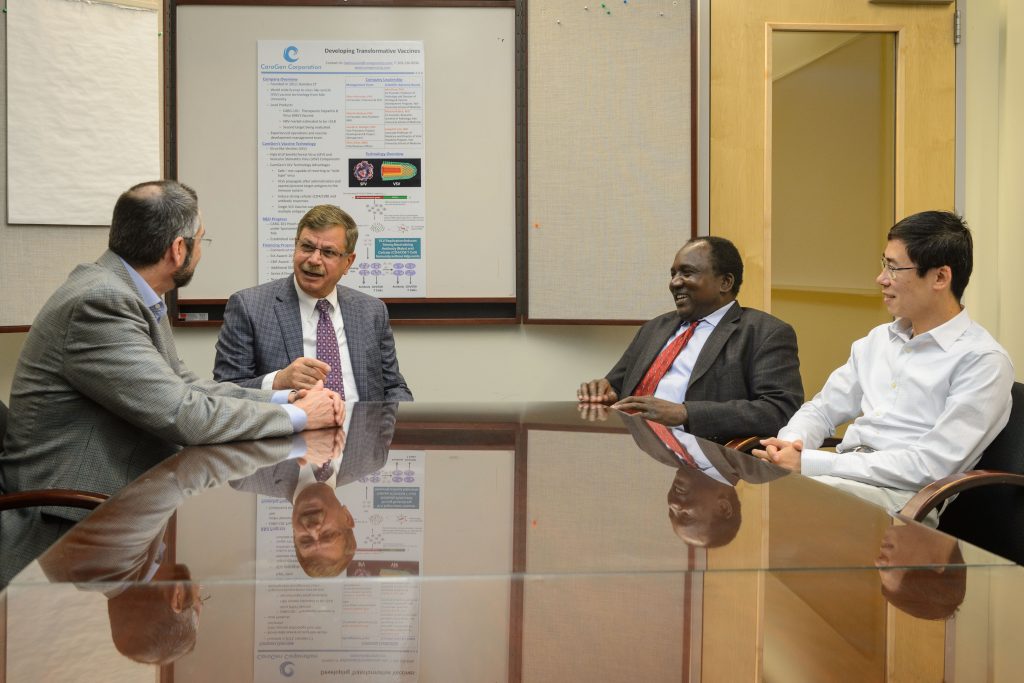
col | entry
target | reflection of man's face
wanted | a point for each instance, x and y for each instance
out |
(703, 511)
(157, 622)
(913, 562)
(322, 531)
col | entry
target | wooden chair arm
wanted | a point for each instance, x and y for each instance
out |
(934, 494)
(744, 443)
(61, 497)
(748, 443)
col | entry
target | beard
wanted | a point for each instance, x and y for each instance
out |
(182, 276)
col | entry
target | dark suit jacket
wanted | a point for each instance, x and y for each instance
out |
(366, 451)
(262, 332)
(746, 381)
(100, 378)
(731, 464)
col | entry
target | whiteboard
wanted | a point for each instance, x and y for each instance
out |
(470, 133)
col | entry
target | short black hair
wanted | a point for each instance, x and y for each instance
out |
(938, 238)
(149, 217)
(725, 259)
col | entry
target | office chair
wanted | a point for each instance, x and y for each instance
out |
(989, 508)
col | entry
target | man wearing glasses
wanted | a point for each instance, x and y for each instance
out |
(927, 393)
(100, 377)
(306, 328)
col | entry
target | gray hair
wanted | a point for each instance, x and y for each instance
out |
(149, 217)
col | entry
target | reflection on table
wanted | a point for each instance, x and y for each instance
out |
(501, 542)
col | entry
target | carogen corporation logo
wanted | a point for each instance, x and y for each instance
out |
(291, 54)
(287, 668)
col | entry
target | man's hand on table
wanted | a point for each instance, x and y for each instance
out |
(596, 391)
(783, 453)
(323, 407)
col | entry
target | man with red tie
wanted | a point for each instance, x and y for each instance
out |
(712, 366)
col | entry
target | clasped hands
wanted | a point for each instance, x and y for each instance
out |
(597, 395)
(782, 453)
(323, 407)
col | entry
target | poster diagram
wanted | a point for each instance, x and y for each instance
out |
(343, 123)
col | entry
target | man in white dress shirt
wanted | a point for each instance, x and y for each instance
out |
(929, 391)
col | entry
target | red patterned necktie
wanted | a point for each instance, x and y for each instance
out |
(327, 348)
(664, 361)
(670, 440)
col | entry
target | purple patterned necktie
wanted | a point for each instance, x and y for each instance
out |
(324, 472)
(327, 348)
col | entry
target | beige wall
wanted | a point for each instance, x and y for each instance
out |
(460, 363)
(994, 165)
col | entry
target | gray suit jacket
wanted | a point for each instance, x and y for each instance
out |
(100, 378)
(119, 539)
(262, 333)
(367, 443)
(746, 380)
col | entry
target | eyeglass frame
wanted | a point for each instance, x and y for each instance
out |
(206, 241)
(892, 270)
(326, 253)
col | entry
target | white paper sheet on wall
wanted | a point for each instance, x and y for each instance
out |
(83, 109)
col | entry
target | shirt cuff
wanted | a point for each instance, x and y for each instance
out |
(787, 434)
(268, 380)
(813, 463)
(268, 386)
(297, 415)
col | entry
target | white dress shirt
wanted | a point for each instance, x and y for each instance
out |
(928, 405)
(310, 317)
(672, 386)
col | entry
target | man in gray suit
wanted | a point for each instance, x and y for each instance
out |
(711, 366)
(100, 374)
(305, 328)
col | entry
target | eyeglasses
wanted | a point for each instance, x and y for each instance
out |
(307, 248)
(207, 241)
(892, 270)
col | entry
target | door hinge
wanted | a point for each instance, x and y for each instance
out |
(956, 26)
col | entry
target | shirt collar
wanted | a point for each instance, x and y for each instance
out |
(149, 296)
(944, 335)
(307, 304)
(717, 316)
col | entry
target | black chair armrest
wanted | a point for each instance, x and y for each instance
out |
(934, 494)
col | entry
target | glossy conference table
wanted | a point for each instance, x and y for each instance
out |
(503, 543)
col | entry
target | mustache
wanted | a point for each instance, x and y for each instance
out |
(313, 270)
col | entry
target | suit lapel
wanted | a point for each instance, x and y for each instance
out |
(286, 306)
(354, 339)
(713, 346)
(655, 343)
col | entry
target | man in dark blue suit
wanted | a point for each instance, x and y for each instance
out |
(276, 334)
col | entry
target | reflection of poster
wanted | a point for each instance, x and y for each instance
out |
(364, 625)
(342, 122)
